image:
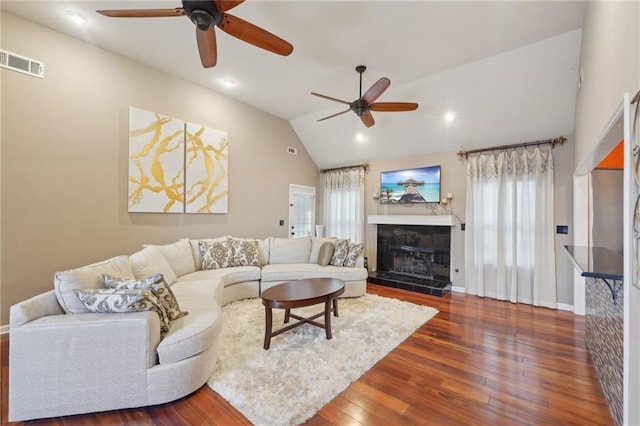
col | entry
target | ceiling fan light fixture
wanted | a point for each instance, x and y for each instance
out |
(202, 19)
(77, 17)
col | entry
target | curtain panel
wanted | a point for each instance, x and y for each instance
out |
(509, 238)
(344, 204)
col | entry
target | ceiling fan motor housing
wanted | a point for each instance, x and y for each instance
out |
(203, 14)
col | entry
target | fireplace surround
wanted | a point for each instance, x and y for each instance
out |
(413, 254)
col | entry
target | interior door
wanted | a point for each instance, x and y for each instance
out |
(302, 210)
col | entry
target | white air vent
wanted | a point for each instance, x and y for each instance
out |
(22, 64)
(292, 150)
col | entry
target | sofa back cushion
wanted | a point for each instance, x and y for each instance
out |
(290, 250)
(87, 277)
(150, 261)
(178, 255)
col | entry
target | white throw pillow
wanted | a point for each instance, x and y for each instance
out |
(178, 255)
(290, 250)
(150, 261)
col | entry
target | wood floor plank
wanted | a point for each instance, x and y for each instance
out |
(478, 361)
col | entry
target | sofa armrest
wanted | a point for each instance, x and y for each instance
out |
(72, 363)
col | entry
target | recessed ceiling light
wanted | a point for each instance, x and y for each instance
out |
(359, 137)
(449, 116)
(227, 82)
(77, 17)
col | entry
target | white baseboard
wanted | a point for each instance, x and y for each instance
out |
(458, 289)
(4, 329)
(565, 307)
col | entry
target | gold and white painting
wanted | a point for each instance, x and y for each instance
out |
(207, 185)
(156, 162)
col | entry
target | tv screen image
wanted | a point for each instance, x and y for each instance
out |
(421, 185)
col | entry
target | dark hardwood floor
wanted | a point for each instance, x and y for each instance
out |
(479, 361)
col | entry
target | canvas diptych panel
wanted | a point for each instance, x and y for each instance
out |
(206, 170)
(156, 163)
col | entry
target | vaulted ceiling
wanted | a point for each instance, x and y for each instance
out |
(508, 70)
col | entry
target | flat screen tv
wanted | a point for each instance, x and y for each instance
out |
(421, 185)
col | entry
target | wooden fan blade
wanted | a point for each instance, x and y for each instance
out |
(376, 90)
(394, 106)
(224, 5)
(335, 115)
(207, 47)
(255, 35)
(330, 98)
(367, 118)
(142, 13)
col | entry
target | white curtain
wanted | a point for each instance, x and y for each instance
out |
(509, 238)
(344, 204)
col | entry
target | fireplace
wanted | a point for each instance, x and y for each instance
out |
(413, 257)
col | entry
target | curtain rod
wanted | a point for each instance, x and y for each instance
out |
(560, 140)
(364, 166)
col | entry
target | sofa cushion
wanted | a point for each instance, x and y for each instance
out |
(215, 254)
(195, 249)
(178, 255)
(157, 285)
(316, 243)
(326, 253)
(192, 334)
(244, 252)
(290, 250)
(117, 301)
(355, 250)
(150, 261)
(87, 277)
(227, 276)
(299, 271)
(340, 253)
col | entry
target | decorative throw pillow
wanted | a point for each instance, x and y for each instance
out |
(340, 253)
(214, 254)
(108, 300)
(244, 252)
(157, 285)
(355, 250)
(326, 253)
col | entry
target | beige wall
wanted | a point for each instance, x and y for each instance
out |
(64, 160)
(610, 59)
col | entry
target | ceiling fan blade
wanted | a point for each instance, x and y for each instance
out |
(367, 119)
(255, 35)
(394, 106)
(335, 115)
(142, 13)
(376, 90)
(330, 98)
(207, 47)
(224, 5)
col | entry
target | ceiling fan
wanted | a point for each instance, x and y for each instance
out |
(207, 14)
(365, 103)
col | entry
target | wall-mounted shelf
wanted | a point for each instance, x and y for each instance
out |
(598, 262)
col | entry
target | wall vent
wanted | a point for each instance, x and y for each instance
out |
(292, 150)
(22, 64)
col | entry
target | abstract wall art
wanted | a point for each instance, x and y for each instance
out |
(175, 167)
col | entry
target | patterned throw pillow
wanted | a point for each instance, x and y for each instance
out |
(156, 284)
(108, 300)
(355, 250)
(244, 252)
(340, 252)
(215, 254)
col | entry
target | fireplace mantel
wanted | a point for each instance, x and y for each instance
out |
(409, 219)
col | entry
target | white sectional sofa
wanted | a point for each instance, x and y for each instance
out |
(67, 360)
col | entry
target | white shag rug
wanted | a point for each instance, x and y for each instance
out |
(302, 371)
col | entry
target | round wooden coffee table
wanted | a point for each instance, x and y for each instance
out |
(297, 294)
